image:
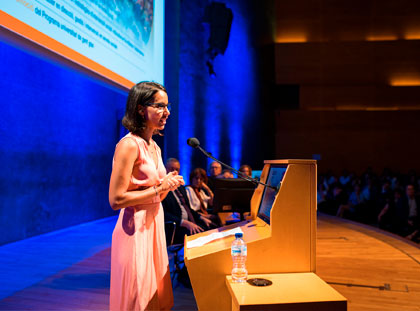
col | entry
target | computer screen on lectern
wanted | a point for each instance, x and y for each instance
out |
(274, 178)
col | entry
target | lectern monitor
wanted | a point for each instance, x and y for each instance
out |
(232, 195)
(275, 177)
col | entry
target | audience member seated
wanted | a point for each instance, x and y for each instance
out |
(355, 205)
(246, 170)
(336, 197)
(408, 212)
(201, 196)
(345, 179)
(322, 192)
(387, 216)
(330, 179)
(386, 193)
(215, 169)
(177, 208)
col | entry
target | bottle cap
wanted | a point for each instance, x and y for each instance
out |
(238, 235)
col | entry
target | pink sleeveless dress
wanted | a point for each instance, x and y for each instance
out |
(140, 278)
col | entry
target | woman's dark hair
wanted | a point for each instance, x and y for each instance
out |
(140, 94)
(199, 172)
(242, 167)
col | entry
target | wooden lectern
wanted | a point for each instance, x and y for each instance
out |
(280, 237)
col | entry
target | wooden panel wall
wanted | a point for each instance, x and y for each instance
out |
(351, 139)
(350, 55)
(357, 68)
(352, 75)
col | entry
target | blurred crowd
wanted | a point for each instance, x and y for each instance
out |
(390, 200)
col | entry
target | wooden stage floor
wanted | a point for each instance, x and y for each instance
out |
(69, 269)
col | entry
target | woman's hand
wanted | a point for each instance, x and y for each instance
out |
(171, 182)
(205, 187)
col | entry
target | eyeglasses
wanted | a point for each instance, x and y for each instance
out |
(159, 106)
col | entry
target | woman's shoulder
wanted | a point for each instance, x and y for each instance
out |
(139, 141)
(126, 146)
(128, 141)
(126, 149)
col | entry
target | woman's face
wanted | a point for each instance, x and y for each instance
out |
(245, 170)
(156, 117)
(197, 181)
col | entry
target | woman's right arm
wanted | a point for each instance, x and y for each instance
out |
(125, 155)
(124, 158)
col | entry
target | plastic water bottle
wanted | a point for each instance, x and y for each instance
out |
(239, 252)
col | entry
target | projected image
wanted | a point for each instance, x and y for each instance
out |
(135, 15)
(123, 36)
(275, 176)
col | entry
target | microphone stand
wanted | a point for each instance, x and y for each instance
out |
(241, 175)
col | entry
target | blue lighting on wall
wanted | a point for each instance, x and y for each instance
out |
(57, 135)
(238, 70)
(213, 123)
(217, 110)
(186, 127)
(236, 90)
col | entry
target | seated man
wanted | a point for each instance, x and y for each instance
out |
(215, 169)
(177, 208)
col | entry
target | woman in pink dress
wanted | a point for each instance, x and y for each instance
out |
(140, 278)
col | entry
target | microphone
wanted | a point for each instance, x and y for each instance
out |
(195, 143)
